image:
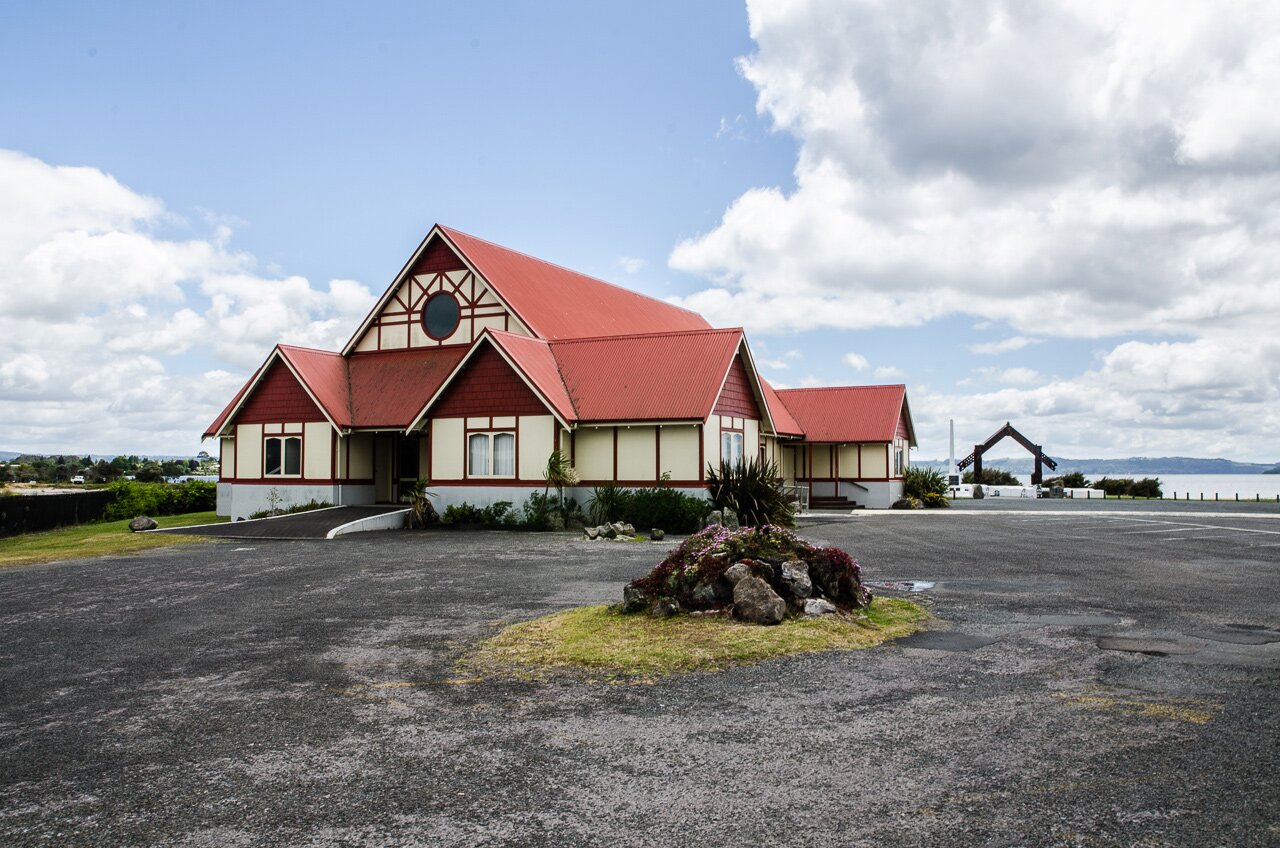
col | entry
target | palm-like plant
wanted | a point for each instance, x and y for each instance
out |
(754, 490)
(421, 510)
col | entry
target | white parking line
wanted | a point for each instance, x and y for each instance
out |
(1161, 530)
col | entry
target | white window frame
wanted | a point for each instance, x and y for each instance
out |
(899, 458)
(283, 438)
(491, 455)
(734, 441)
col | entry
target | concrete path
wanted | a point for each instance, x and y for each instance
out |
(316, 524)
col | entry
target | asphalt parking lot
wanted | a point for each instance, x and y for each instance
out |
(1094, 677)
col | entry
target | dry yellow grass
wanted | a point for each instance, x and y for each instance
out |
(604, 642)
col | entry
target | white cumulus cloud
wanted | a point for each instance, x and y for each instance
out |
(116, 337)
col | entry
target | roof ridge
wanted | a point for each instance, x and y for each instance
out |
(650, 335)
(841, 388)
(282, 346)
(633, 292)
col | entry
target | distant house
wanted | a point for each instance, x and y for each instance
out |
(479, 361)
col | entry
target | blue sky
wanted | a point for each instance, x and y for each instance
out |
(1022, 211)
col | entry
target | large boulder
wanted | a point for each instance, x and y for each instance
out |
(141, 523)
(731, 519)
(592, 533)
(657, 535)
(756, 602)
(713, 518)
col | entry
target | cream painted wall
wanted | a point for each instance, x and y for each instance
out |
(848, 455)
(361, 460)
(680, 452)
(637, 453)
(594, 453)
(249, 451)
(821, 466)
(227, 457)
(875, 461)
(710, 444)
(317, 450)
(751, 439)
(536, 434)
(448, 449)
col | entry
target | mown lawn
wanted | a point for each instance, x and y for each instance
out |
(97, 539)
(603, 641)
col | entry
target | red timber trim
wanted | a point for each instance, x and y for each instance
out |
(736, 396)
(657, 453)
(295, 481)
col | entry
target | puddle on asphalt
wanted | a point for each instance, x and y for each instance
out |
(1070, 620)
(1238, 635)
(1150, 647)
(945, 640)
(901, 585)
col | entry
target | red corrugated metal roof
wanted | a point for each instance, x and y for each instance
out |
(783, 421)
(847, 413)
(324, 373)
(390, 389)
(653, 377)
(558, 303)
(534, 358)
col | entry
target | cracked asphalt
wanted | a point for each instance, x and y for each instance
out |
(1094, 677)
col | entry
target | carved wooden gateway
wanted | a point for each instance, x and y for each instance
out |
(975, 458)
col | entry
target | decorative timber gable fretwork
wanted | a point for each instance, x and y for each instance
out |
(438, 271)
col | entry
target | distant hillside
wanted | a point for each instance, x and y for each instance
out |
(1125, 467)
(5, 456)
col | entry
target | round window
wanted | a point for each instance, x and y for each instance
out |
(440, 316)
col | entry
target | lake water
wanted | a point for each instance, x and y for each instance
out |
(1225, 486)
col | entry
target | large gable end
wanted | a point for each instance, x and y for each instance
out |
(437, 300)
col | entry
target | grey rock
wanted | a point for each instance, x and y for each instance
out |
(665, 608)
(142, 523)
(633, 600)
(593, 533)
(714, 517)
(794, 576)
(755, 601)
(620, 529)
(737, 572)
(627, 529)
(656, 535)
(817, 607)
(606, 531)
(705, 594)
(731, 519)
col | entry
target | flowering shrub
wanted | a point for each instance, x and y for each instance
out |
(693, 574)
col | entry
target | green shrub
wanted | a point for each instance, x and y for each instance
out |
(608, 503)
(920, 481)
(497, 513)
(132, 499)
(1147, 487)
(1073, 480)
(992, 477)
(933, 500)
(668, 509)
(754, 490)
